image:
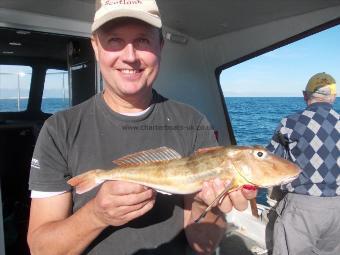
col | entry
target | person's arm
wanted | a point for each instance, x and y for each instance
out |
(279, 144)
(53, 229)
(205, 236)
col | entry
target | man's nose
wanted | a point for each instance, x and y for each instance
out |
(129, 53)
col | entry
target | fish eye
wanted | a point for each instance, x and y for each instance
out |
(260, 154)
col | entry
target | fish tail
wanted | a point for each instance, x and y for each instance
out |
(86, 181)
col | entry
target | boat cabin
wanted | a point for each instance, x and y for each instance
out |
(45, 53)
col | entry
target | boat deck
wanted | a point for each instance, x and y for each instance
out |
(237, 243)
(246, 234)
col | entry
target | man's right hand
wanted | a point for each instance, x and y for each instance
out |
(118, 202)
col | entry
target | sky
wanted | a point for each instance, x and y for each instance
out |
(286, 70)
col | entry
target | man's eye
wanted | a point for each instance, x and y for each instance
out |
(115, 43)
(142, 44)
(143, 41)
(114, 40)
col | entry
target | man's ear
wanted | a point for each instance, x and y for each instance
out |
(94, 42)
(162, 43)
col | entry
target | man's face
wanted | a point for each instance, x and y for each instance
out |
(128, 52)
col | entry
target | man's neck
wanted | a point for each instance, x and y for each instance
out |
(128, 104)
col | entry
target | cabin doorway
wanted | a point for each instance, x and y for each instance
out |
(40, 73)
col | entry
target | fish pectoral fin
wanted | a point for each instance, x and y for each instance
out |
(207, 149)
(148, 156)
(218, 199)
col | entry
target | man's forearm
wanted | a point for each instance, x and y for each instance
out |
(68, 236)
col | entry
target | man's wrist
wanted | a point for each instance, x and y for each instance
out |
(98, 223)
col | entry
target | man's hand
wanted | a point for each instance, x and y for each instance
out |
(118, 202)
(238, 198)
(205, 236)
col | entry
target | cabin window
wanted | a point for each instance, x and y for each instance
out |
(261, 91)
(56, 91)
(15, 83)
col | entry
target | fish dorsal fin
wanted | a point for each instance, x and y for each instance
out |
(206, 149)
(148, 156)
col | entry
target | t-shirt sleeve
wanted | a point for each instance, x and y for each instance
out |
(49, 171)
(205, 136)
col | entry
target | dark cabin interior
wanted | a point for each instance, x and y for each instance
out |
(19, 130)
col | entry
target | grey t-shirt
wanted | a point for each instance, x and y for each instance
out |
(91, 135)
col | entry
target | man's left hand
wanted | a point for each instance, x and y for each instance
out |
(237, 198)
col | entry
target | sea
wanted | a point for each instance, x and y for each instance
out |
(253, 119)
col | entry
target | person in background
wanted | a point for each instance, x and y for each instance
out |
(127, 117)
(308, 215)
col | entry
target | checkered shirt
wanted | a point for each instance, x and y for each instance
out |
(310, 138)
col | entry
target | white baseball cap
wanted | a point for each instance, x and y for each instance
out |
(145, 10)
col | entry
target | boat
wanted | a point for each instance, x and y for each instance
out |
(202, 39)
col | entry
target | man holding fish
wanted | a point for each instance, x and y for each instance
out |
(119, 217)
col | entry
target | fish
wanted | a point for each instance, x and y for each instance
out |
(164, 170)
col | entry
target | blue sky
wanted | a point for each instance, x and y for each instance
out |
(286, 71)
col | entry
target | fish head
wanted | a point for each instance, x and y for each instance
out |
(258, 166)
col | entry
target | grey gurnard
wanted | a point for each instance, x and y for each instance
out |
(164, 170)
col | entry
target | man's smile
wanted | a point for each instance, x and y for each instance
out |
(130, 71)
